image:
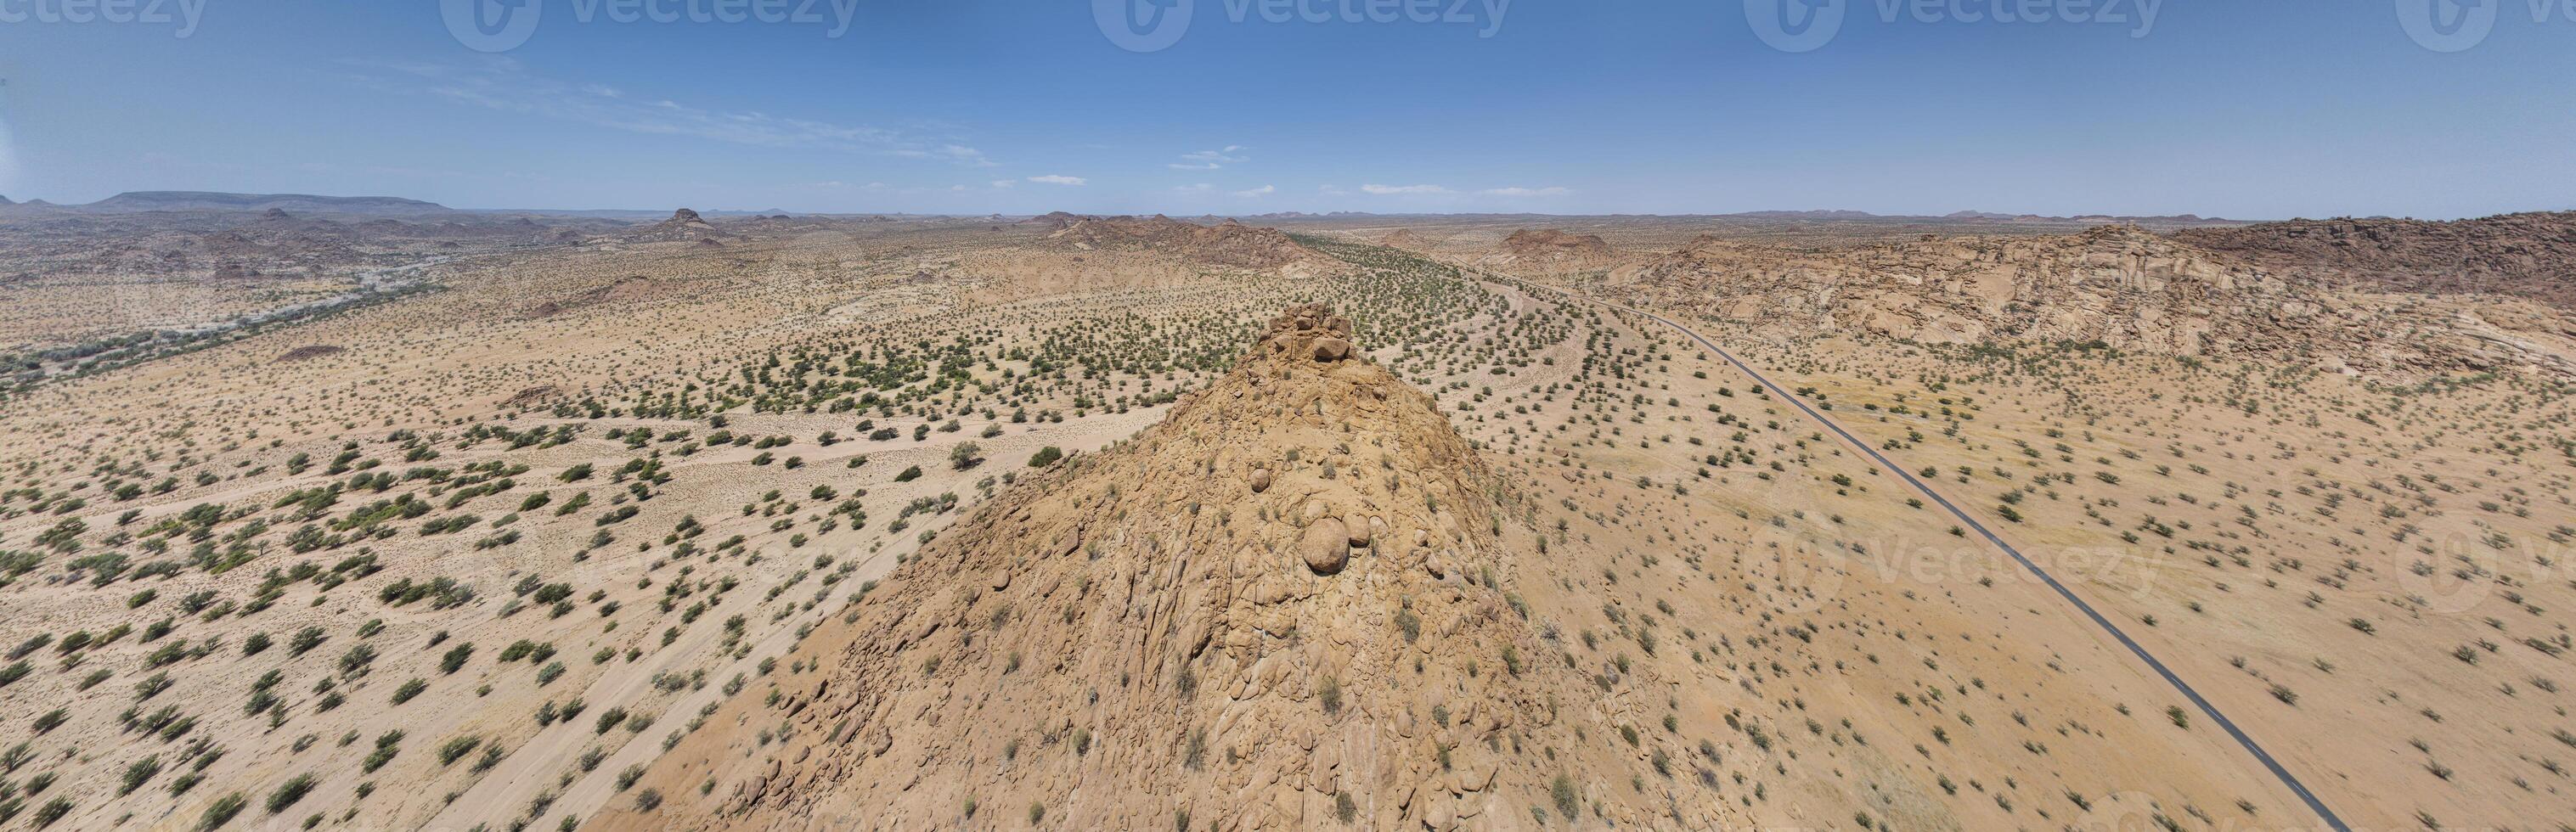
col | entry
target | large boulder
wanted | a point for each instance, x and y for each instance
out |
(1326, 546)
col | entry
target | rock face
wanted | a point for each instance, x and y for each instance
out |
(2114, 286)
(2531, 256)
(1272, 611)
(1227, 243)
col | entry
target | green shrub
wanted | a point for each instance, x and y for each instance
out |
(221, 811)
(288, 792)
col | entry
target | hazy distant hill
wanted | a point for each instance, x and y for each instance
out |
(211, 201)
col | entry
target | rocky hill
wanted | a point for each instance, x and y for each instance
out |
(1278, 609)
(1404, 238)
(1228, 243)
(1555, 250)
(1054, 220)
(684, 225)
(2530, 256)
(2115, 285)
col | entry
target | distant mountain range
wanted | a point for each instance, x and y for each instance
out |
(2090, 219)
(1959, 217)
(136, 201)
(386, 206)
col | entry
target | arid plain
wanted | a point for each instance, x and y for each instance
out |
(364, 516)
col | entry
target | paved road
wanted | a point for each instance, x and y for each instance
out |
(2251, 747)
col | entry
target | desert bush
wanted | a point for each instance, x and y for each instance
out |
(221, 812)
(287, 793)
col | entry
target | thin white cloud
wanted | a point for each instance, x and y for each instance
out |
(1198, 188)
(1396, 190)
(505, 85)
(1209, 159)
(1003, 183)
(953, 153)
(1522, 192)
(1058, 179)
(1264, 190)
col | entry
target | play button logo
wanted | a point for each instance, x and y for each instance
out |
(1795, 25)
(491, 25)
(1143, 25)
(2447, 25)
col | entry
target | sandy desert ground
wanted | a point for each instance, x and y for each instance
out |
(1058, 523)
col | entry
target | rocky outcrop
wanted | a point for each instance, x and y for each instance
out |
(2530, 256)
(1276, 610)
(684, 226)
(1228, 243)
(309, 352)
(1555, 250)
(2114, 285)
(1054, 220)
(624, 291)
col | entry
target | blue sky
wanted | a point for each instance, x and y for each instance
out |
(2241, 109)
